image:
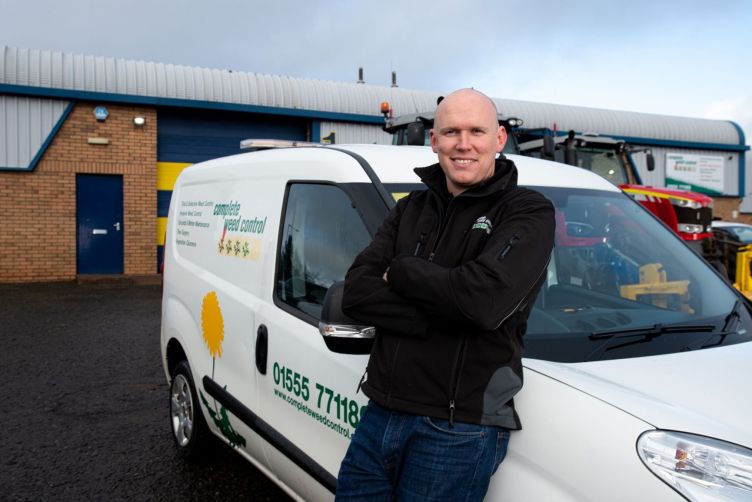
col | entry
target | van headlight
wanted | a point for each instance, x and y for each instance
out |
(699, 468)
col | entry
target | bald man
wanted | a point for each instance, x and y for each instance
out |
(448, 281)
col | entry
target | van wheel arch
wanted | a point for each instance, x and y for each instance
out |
(187, 424)
(175, 354)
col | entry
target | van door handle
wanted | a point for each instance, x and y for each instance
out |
(262, 346)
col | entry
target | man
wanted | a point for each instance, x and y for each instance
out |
(448, 281)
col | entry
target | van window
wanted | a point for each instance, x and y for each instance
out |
(322, 233)
(617, 270)
(620, 285)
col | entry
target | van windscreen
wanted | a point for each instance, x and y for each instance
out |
(620, 285)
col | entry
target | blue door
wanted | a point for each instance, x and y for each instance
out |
(99, 222)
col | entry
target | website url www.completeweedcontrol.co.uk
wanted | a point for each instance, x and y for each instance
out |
(323, 419)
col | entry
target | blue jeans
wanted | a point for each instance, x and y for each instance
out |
(398, 456)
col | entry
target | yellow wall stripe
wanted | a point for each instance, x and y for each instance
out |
(167, 173)
(161, 229)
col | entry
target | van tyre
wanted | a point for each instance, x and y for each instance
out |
(189, 429)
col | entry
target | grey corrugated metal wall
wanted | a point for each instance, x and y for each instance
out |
(25, 124)
(609, 122)
(38, 68)
(22, 69)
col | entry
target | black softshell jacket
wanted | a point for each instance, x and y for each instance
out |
(463, 273)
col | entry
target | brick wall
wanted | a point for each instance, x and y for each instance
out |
(38, 223)
(724, 207)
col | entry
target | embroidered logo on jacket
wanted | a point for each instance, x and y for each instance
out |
(483, 223)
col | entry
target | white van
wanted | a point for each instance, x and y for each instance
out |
(638, 361)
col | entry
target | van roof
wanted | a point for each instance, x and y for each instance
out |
(389, 163)
(392, 164)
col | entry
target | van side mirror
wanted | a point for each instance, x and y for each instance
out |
(343, 334)
(651, 161)
(416, 133)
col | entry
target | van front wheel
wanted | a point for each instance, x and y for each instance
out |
(189, 429)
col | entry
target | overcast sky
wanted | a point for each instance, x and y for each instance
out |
(689, 58)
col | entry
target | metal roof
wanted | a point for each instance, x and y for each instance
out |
(85, 77)
(94, 74)
(622, 123)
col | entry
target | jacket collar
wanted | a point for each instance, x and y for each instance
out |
(504, 178)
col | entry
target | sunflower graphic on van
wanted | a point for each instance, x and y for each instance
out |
(213, 332)
(212, 325)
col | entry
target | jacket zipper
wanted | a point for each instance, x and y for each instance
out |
(420, 244)
(391, 372)
(459, 362)
(362, 379)
(510, 243)
(517, 308)
(442, 226)
(457, 374)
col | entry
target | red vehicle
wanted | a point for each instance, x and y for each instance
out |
(689, 214)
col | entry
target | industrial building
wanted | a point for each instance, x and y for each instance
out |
(90, 148)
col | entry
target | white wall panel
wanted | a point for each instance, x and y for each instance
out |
(348, 133)
(658, 176)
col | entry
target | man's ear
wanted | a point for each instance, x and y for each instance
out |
(502, 139)
(433, 140)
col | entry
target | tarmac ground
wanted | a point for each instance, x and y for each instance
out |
(84, 402)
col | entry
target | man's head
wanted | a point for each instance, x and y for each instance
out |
(466, 136)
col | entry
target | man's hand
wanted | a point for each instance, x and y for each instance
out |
(386, 279)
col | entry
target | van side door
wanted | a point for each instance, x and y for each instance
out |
(308, 393)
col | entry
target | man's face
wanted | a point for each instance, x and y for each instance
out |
(466, 136)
